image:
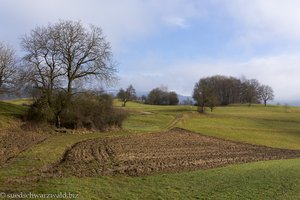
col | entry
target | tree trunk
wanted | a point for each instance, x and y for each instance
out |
(58, 124)
(69, 92)
(201, 109)
(124, 103)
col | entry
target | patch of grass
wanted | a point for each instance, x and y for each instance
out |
(261, 180)
(20, 101)
(147, 122)
(270, 126)
(9, 114)
(9, 109)
(274, 126)
(151, 117)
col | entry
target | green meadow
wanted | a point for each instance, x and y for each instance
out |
(273, 126)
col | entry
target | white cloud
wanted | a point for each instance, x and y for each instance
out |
(262, 21)
(121, 20)
(176, 21)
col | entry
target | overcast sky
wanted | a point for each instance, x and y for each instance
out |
(176, 42)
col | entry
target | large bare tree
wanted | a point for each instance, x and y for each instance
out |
(67, 51)
(60, 54)
(7, 66)
(83, 53)
(42, 61)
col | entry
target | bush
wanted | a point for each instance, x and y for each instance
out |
(40, 111)
(89, 110)
(92, 111)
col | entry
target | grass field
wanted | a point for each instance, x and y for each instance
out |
(9, 114)
(272, 126)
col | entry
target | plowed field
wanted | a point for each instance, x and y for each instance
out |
(12, 142)
(172, 151)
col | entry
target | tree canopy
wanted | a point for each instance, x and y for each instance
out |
(160, 96)
(127, 95)
(222, 90)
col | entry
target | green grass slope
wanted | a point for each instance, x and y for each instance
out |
(261, 180)
(272, 126)
(9, 109)
(9, 113)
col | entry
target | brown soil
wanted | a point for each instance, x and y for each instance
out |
(14, 141)
(171, 151)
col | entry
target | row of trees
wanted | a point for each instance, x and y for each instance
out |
(222, 90)
(161, 96)
(157, 96)
(59, 61)
(208, 92)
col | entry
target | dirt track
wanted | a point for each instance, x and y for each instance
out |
(171, 151)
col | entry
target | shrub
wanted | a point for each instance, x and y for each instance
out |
(89, 110)
(40, 111)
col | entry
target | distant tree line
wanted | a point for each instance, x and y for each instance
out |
(222, 90)
(161, 96)
(157, 96)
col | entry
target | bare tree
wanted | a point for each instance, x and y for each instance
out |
(70, 51)
(250, 91)
(205, 94)
(266, 93)
(161, 96)
(7, 66)
(60, 54)
(173, 98)
(83, 53)
(127, 95)
(42, 61)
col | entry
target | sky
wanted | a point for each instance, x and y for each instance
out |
(174, 43)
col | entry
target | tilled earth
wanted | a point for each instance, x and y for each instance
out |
(172, 151)
(13, 142)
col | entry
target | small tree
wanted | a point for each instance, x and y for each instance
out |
(127, 95)
(266, 93)
(205, 94)
(173, 98)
